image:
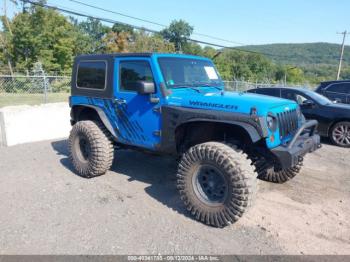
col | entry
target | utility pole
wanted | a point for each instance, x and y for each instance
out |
(4, 41)
(341, 52)
(5, 17)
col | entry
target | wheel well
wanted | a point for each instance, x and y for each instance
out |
(79, 113)
(336, 122)
(190, 134)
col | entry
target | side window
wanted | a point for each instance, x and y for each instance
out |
(297, 97)
(92, 74)
(339, 88)
(287, 94)
(347, 88)
(132, 72)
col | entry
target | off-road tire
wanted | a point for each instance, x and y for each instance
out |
(271, 171)
(338, 128)
(96, 138)
(237, 172)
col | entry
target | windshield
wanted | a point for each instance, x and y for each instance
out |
(317, 97)
(186, 72)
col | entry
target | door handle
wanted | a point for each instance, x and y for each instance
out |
(120, 101)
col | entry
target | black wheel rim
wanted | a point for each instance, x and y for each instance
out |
(83, 148)
(210, 185)
(341, 135)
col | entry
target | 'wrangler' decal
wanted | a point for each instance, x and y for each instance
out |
(215, 105)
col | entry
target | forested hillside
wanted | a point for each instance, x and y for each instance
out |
(318, 61)
(52, 39)
(303, 54)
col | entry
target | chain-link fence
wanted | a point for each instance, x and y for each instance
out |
(242, 86)
(20, 89)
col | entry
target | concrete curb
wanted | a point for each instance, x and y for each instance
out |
(2, 133)
(25, 124)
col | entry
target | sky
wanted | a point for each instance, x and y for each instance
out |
(244, 22)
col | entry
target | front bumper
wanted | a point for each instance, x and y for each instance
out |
(304, 141)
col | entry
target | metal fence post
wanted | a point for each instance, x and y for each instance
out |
(45, 88)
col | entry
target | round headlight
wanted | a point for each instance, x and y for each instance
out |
(271, 121)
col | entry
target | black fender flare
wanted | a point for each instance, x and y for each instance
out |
(102, 115)
(173, 117)
(251, 130)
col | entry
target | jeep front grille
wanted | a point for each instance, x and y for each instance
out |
(287, 122)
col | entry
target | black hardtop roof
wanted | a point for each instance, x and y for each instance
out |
(109, 56)
(96, 56)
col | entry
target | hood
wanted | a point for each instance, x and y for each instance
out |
(342, 108)
(229, 101)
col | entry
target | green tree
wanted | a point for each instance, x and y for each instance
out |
(6, 49)
(94, 30)
(210, 52)
(192, 49)
(144, 42)
(177, 33)
(240, 65)
(294, 75)
(116, 42)
(118, 28)
(42, 35)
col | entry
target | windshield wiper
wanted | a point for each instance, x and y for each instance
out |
(209, 85)
(196, 89)
(188, 86)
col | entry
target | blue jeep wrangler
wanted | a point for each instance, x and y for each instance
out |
(176, 104)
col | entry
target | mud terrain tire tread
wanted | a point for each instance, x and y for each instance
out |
(102, 149)
(279, 177)
(241, 179)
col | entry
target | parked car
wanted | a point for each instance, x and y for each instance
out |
(338, 91)
(333, 118)
(176, 104)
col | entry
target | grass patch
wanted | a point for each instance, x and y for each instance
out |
(9, 99)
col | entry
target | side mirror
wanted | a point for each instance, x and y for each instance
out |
(308, 103)
(143, 87)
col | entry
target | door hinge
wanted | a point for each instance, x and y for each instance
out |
(154, 100)
(157, 109)
(157, 133)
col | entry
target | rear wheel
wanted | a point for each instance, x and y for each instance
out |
(90, 149)
(340, 134)
(216, 182)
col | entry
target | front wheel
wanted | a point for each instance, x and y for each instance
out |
(340, 134)
(216, 182)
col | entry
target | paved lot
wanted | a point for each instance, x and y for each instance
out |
(46, 209)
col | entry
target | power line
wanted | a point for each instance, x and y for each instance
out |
(150, 22)
(117, 13)
(88, 16)
(147, 29)
(138, 27)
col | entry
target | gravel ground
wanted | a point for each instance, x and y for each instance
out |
(134, 209)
